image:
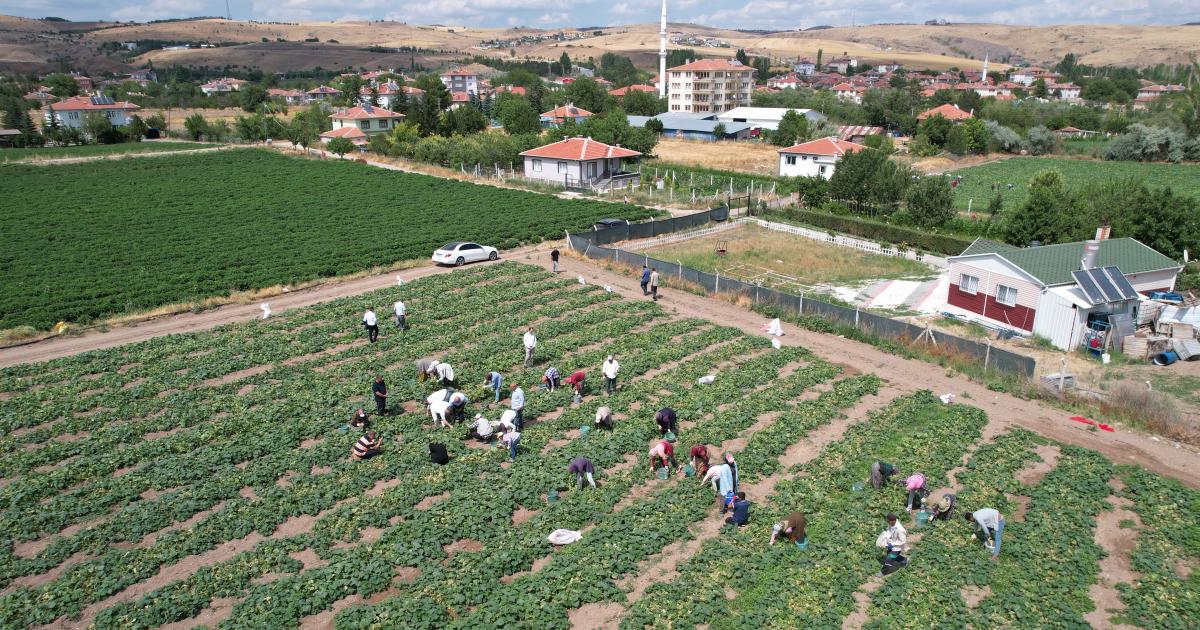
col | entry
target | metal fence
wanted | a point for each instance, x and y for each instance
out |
(592, 244)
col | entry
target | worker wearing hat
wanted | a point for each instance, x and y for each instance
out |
(944, 506)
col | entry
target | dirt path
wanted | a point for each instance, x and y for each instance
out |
(1116, 567)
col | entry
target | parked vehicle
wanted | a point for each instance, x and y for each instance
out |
(459, 254)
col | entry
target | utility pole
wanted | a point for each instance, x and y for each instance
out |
(228, 14)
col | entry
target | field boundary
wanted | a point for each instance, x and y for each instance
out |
(591, 244)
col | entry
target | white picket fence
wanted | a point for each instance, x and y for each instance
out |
(853, 243)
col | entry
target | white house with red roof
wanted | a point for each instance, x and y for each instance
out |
(511, 89)
(289, 97)
(73, 112)
(789, 81)
(849, 93)
(222, 86)
(388, 94)
(1151, 92)
(41, 96)
(322, 93)
(563, 113)
(459, 99)
(1065, 91)
(458, 80)
(359, 123)
(580, 162)
(815, 157)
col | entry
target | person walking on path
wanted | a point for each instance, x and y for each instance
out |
(530, 343)
(604, 418)
(654, 283)
(379, 391)
(992, 523)
(516, 402)
(371, 324)
(554, 259)
(495, 381)
(645, 282)
(662, 451)
(510, 439)
(401, 315)
(791, 527)
(741, 511)
(582, 467)
(609, 370)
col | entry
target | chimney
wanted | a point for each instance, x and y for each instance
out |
(1103, 232)
(1091, 253)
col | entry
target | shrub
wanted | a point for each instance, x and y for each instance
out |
(1004, 139)
(1041, 141)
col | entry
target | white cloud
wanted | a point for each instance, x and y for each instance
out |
(159, 10)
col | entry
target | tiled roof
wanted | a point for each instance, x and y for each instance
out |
(846, 132)
(947, 111)
(345, 132)
(579, 149)
(91, 103)
(824, 146)
(364, 112)
(701, 65)
(566, 111)
(1053, 264)
(288, 93)
(460, 97)
(632, 88)
(324, 89)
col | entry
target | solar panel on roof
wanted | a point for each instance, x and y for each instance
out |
(102, 100)
(1122, 283)
(1085, 282)
(1104, 285)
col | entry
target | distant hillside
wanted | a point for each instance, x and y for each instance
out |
(41, 45)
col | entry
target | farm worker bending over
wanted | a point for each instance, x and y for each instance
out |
(371, 324)
(741, 511)
(582, 467)
(699, 458)
(722, 480)
(401, 315)
(550, 378)
(667, 420)
(881, 473)
(508, 420)
(915, 485)
(604, 418)
(423, 369)
(366, 446)
(645, 282)
(516, 402)
(791, 527)
(510, 439)
(893, 540)
(530, 343)
(609, 370)
(662, 451)
(944, 506)
(379, 391)
(495, 381)
(458, 406)
(733, 469)
(481, 429)
(992, 524)
(359, 419)
(443, 371)
(439, 406)
(576, 380)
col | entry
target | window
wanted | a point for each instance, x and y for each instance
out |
(1006, 295)
(822, 170)
(968, 284)
(591, 169)
(562, 167)
(790, 160)
(364, 124)
(537, 166)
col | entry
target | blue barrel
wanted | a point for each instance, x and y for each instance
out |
(1166, 358)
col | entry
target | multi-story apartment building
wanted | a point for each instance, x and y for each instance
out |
(709, 86)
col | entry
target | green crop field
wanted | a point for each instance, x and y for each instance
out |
(93, 150)
(82, 241)
(978, 180)
(204, 478)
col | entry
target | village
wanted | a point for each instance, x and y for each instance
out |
(858, 292)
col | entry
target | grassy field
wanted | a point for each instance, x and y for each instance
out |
(810, 262)
(1183, 178)
(204, 478)
(93, 150)
(130, 235)
(757, 158)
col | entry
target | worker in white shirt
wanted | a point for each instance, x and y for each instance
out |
(604, 418)
(443, 371)
(371, 324)
(893, 540)
(609, 370)
(401, 315)
(516, 403)
(508, 420)
(530, 343)
(439, 406)
(482, 429)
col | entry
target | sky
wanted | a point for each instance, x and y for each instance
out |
(744, 14)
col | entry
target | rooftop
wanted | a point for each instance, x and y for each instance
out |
(579, 149)
(947, 111)
(825, 146)
(701, 65)
(364, 112)
(1053, 264)
(91, 103)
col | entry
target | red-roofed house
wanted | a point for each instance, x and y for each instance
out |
(388, 94)
(323, 93)
(511, 89)
(43, 98)
(849, 93)
(353, 134)
(788, 81)
(72, 112)
(816, 157)
(1152, 92)
(364, 118)
(580, 162)
(709, 86)
(947, 111)
(222, 86)
(460, 81)
(562, 114)
(86, 84)
(290, 97)
(633, 88)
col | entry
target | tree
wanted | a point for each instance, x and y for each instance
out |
(639, 103)
(793, 128)
(956, 141)
(301, 132)
(618, 68)
(564, 63)
(373, 97)
(196, 126)
(97, 127)
(426, 114)
(463, 121)
(435, 90)
(340, 146)
(1039, 89)
(654, 125)
(1041, 218)
(719, 131)
(351, 86)
(251, 96)
(1041, 140)
(869, 181)
(586, 93)
(742, 57)
(517, 115)
(930, 202)
(762, 67)
(156, 121)
(936, 129)
(61, 85)
(975, 132)
(137, 128)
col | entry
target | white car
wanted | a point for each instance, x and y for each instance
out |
(459, 254)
